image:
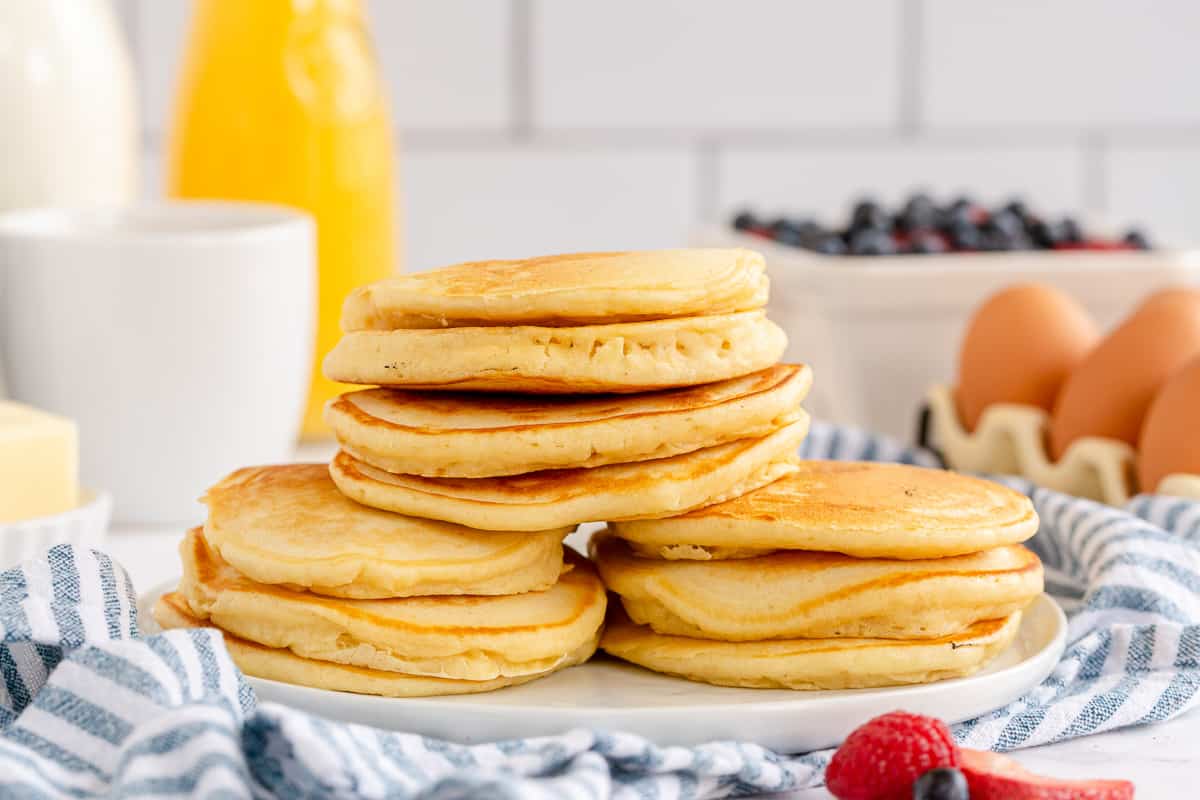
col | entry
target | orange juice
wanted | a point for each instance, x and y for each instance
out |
(281, 101)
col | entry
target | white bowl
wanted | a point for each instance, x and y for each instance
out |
(84, 526)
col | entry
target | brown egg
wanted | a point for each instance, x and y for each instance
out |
(1109, 394)
(1170, 438)
(1019, 347)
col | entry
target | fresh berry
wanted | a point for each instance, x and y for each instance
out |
(1017, 208)
(1043, 234)
(919, 213)
(943, 783)
(787, 235)
(744, 221)
(964, 235)
(830, 245)
(869, 214)
(1137, 240)
(779, 225)
(991, 776)
(925, 242)
(883, 758)
(872, 242)
(1069, 231)
(960, 207)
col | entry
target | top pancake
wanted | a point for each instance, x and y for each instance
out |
(564, 290)
(461, 435)
(868, 510)
(290, 525)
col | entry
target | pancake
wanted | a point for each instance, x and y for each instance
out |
(460, 435)
(621, 357)
(290, 525)
(464, 637)
(172, 611)
(561, 290)
(541, 500)
(792, 594)
(810, 663)
(868, 510)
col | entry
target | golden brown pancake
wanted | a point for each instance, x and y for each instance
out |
(461, 637)
(621, 357)
(271, 663)
(553, 498)
(564, 290)
(290, 525)
(810, 663)
(869, 510)
(461, 435)
(794, 594)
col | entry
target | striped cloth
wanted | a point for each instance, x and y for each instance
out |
(88, 708)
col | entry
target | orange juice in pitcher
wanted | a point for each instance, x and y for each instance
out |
(281, 101)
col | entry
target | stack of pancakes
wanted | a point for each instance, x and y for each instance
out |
(513, 400)
(838, 576)
(525, 395)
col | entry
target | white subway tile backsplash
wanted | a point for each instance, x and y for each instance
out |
(1158, 188)
(1060, 63)
(513, 202)
(446, 64)
(715, 65)
(549, 125)
(825, 181)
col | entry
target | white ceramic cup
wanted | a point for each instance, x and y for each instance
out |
(178, 336)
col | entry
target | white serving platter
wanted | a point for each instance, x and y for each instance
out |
(608, 694)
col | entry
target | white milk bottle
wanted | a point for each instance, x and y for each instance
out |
(68, 111)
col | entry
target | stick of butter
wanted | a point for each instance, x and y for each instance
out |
(39, 463)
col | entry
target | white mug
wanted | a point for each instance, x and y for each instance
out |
(178, 336)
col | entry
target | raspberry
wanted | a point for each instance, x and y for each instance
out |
(881, 759)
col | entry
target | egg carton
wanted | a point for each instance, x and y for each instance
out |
(1010, 439)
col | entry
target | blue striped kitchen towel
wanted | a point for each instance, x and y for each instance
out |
(89, 708)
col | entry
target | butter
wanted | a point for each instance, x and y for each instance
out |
(39, 463)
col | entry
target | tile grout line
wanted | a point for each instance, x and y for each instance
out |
(707, 182)
(910, 53)
(1096, 150)
(520, 70)
(131, 12)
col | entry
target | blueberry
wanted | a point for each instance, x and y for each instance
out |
(788, 235)
(744, 221)
(830, 245)
(872, 242)
(943, 783)
(1137, 240)
(1043, 234)
(965, 236)
(1069, 231)
(925, 242)
(869, 214)
(1018, 209)
(778, 225)
(918, 213)
(959, 212)
(1006, 222)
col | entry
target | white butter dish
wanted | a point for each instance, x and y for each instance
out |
(85, 525)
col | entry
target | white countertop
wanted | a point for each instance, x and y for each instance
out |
(1160, 759)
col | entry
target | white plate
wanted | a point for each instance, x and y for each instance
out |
(605, 693)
